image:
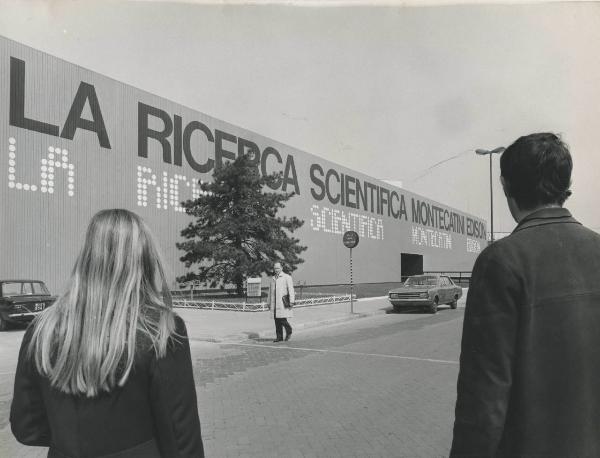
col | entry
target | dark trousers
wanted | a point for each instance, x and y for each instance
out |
(280, 323)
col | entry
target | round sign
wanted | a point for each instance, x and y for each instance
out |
(350, 239)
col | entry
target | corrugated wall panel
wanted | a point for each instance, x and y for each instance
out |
(41, 227)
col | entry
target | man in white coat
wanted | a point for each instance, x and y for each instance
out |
(281, 286)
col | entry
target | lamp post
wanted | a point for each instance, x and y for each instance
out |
(483, 152)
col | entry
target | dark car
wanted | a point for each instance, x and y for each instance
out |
(426, 291)
(22, 300)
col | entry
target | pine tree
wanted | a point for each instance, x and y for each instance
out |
(237, 233)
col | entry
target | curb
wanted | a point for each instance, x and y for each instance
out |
(308, 325)
(317, 324)
(269, 333)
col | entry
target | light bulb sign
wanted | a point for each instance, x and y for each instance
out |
(350, 239)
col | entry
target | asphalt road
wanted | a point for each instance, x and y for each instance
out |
(383, 386)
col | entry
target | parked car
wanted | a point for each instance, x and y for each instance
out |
(22, 300)
(426, 291)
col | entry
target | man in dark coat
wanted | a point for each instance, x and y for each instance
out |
(530, 357)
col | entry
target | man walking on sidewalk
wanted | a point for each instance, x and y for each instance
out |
(282, 298)
(530, 357)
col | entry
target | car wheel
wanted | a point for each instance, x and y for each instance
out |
(396, 308)
(433, 307)
(3, 324)
(454, 303)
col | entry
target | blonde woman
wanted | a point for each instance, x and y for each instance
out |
(107, 370)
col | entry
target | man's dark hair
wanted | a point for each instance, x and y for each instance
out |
(537, 170)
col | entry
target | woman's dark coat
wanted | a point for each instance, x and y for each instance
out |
(154, 414)
(530, 361)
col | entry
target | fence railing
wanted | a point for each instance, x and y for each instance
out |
(322, 300)
(224, 299)
(221, 305)
(254, 306)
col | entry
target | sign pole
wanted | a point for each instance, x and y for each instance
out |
(351, 286)
(350, 240)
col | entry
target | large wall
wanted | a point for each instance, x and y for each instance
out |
(74, 142)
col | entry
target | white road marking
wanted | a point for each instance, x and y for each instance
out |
(319, 350)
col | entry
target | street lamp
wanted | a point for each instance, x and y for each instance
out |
(483, 152)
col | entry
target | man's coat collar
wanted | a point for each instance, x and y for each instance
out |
(543, 216)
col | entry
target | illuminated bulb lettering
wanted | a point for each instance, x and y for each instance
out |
(167, 189)
(144, 179)
(336, 221)
(46, 170)
(12, 162)
(174, 191)
(56, 159)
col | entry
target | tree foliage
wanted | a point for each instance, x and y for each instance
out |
(236, 232)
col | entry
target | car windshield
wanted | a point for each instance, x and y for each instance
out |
(421, 281)
(18, 288)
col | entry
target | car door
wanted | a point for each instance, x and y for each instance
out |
(453, 289)
(441, 290)
(447, 293)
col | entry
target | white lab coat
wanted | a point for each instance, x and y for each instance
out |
(280, 286)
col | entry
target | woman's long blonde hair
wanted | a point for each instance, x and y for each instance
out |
(86, 342)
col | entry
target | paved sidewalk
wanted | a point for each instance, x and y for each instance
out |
(231, 326)
(228, 326)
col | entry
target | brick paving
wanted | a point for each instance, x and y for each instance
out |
(331, 405)
(263, 401)
(298, 403)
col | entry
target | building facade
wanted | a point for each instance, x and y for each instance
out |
(74, 142)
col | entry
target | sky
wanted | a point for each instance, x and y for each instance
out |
(400, 92)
